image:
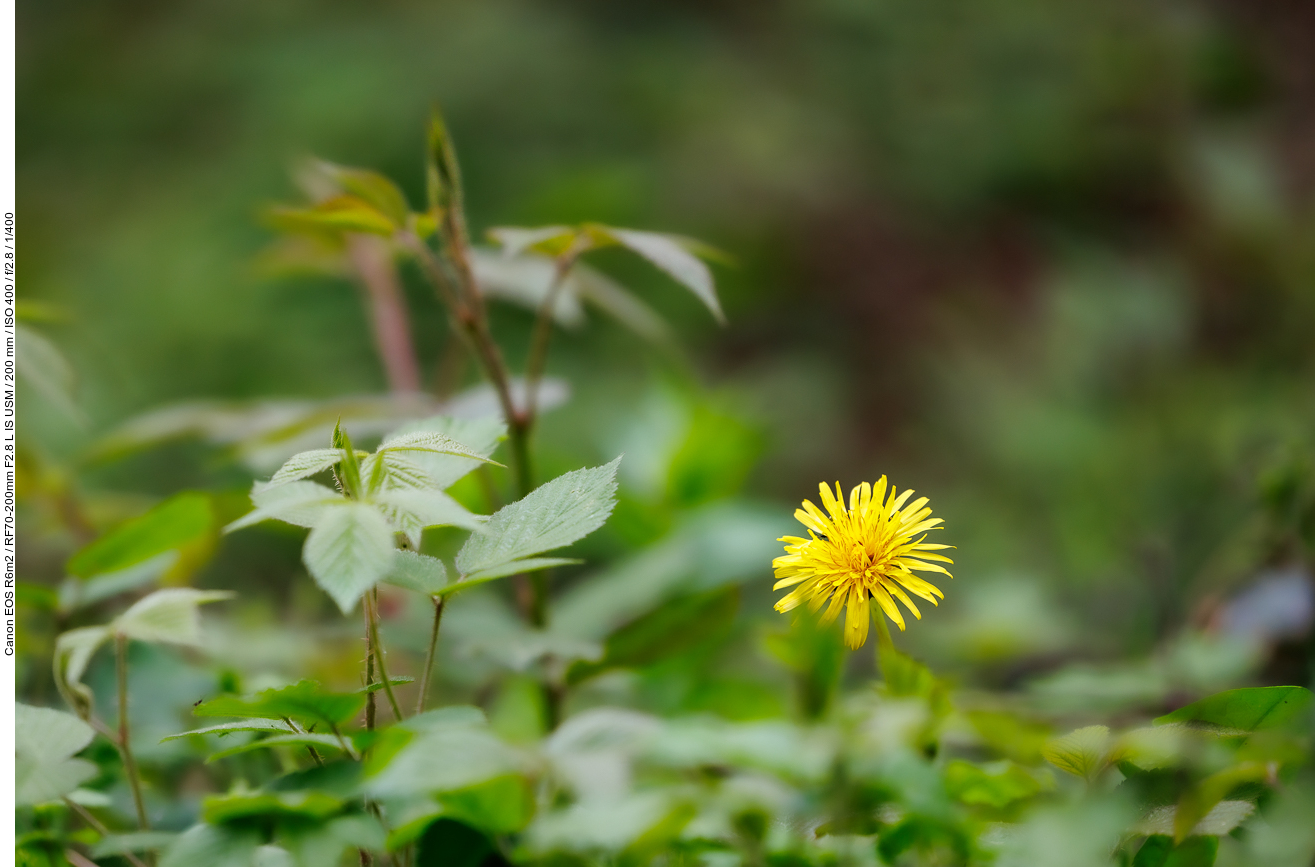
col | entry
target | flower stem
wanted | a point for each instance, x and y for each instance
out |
(372, 618)
(125, 733)
(429, 656)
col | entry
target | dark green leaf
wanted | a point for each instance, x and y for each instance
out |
(1246, 710)
(304, 702)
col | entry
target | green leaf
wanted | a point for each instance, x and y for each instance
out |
(668, 630)
(431, 442)
(303, 701)
(669, 253)
(515, 567)
(548, 240)
(902, 674)
(1222, 819)
(1082, 753)
(40, 363)
(295, 739)
(76, 593)
(400, 680)
(73, 651)
(443, 759)
(621, 304)
(564, 510)
(45, 741)
(502, 805)
(1160, 851)
(450, 843)
(300, 503)
(417, 572)
(481, 435)
(182, 520)
(317, 806)
(138, 841)
(526, 281)
(345, 213)
(205, 845)
(349, 551)
(1246, 710)
(997, 785)
(430, 508)
(375, 189)
(248, 725)
(1201, 799)
(170, 615)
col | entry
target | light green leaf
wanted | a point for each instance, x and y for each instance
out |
(997, 785)
(525, 280)
(170, 615)
(396, 471)
(138, 841)
(300, 503)
(345, 213)
(401, 680)
(375, 189)
(76, 593)
(304, 739)
(669, 254)
(431, 442)
(307, 463)
(417, 572)
(206, 845)
(182, 520)
(564, 510)
(1221, 820)
(247, 725)
(272, 856)
(1246, 710)
(73, 650)
(40, 363)
(1199, 800)
(316, 806)
(303, 701)
(549, 240)
(443, 759)
(44, 742)
(1082, 752)
(482, 434)
(515, 567)
(620, 303)
(430, 508)
(349, 551)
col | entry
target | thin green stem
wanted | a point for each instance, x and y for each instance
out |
(125, 732)
(429, 656)
(372, 618)
(538, 357)
(100, 828)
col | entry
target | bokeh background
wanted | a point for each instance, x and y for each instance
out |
(1052, 264)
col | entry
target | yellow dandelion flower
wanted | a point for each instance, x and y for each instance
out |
(869, 550)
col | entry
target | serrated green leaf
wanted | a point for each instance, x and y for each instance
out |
(1082, 752)
(45, 741)
(303, 701)
(1221, 820)
(430, 508)
(1200, 799)
(304, 464)
(1246, 710)
(248, 725)
(515, 567)
(170, 615)
(182, 520)
(303, 739)
(417, 572)
(431, 442)
(300, 503)
(481, 434)
(668, 253)
(349, 551)
(395, 471)
(556, 514)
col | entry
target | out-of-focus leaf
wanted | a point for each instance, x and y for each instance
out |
(417, 572)
(442, 172)
(41, 364)
(401, 680)
(325, 843)
(503, 805)
(220, 809)
(297, 739)
(451, 843)
(206, 845)
(1200, 799)
(73, 651)
(443, 759)
(1019, 739)
(606, 825)
(248, 725)
(272, 856)
(548, 240)
(922, 833)
(525, 280)
(668, 630)
(139, 841)
(1160, 851)
(620, 303)
(304, 702)
(349, 551)
(45, 741)
(370, 186)
(1083, 753)
(1222, 819)
(430, 508)
(997, 785)
(182, 520)
(170, 615)
(558, 513)
(1246, 710)
(345, 213)
(76, 593)
(903, 675)
(668, 253)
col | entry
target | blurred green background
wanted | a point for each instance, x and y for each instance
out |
(1052, 264)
